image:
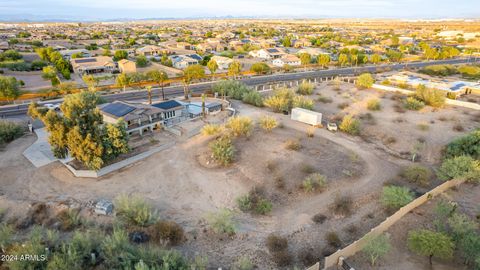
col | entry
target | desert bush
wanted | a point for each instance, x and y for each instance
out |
(276, 243)
(255, 201)
(293, 145)
(365, 81)
(394, 197)
(222, 222)
(281, 100)
(134, 210)
(377, 247)
(432, 97)
(374, 104)
(33, 245)
(6, 235)
(333, 239)
(243, 263)
(413, 104)
(417, 174)
(458, 128)
(308, 256)
(240, 126)
(253, 98)
(350, 125)
(324, 99)
(343, 205)
(311, 132)
(268, 123)
(223, 150)
(466, 145)
(211, 129)
(314, 182)
(166, 231)
(9, 131)
(423, 126)
(460, 167)
(343, 105)
(319, 218)
(69, 219)
(308, 169)
(282, 258)
(398, 108)
(231, 88)
(302, 102)
(305, 88)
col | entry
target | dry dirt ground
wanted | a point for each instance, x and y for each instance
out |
(178, 184)
(400, 258)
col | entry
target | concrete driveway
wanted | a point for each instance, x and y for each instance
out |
(40, 153)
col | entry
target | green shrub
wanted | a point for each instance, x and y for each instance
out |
(166, 231)
(281, 100)
(302, 102)
(350, 125)
(468, 145)
(223, 150)
(343, 205)
(460, 167)
(432, 97)
(377, 247)
(333, 239)
(231, 88)
(243, 263)
(365, 81)
(255, 201)
(240, 126)
(6, 235)
(314, 182)
(324, 99)
(305, 88)
(9, 131)
(413, 104)
(417, 174)
(253, 98)
(134, 210)
(374, 105)
(69, 219)
(211, 129)
(222, 222)
(394, 197)
(282, 258)
(268, 123)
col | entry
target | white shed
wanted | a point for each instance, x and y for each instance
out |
(307, 116)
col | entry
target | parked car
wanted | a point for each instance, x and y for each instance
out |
(51, 106)
(332, 126)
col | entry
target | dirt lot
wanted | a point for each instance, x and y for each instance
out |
(177, 182)
(466, 196)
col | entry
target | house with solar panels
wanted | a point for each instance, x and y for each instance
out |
(93, 65)
(140, 118)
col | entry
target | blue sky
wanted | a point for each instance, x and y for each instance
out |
(111, 9)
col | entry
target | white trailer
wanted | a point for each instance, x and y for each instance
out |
(307, 116)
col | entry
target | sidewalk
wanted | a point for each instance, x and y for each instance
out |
(40, 153)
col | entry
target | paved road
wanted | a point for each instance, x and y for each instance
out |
(172, 91)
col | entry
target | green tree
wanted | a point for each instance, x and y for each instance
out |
(365, 80)
(159, 77)
(119, 55)
(123, 80)
(350, 125)
(305, 59)
(212, 66)
(9, 88)
(342, 59)
(395, 197)
(142, 61)
(468, 145)
(80, 131)
(191, 74)
(323, 60)
(431, 244)
(90, 81)
(260, 68)
(376, 59)
(354, 59)
(234, 69)
(377, 247)
(460, 167)
(432, 97)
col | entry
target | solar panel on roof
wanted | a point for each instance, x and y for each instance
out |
(118, 109)
(85, 60)
(167, 104)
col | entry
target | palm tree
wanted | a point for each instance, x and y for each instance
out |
(160, 77)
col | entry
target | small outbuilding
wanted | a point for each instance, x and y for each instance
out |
(307, 116)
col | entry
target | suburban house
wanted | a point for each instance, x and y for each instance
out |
(152, 50)
(303, 42)
(183, 61)
(314, 52)
(287, 59)
(184, 46)
(93, 65)
(67, 54)
(222, 62)
(268, 54)
(139, 117)
(127, 66)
